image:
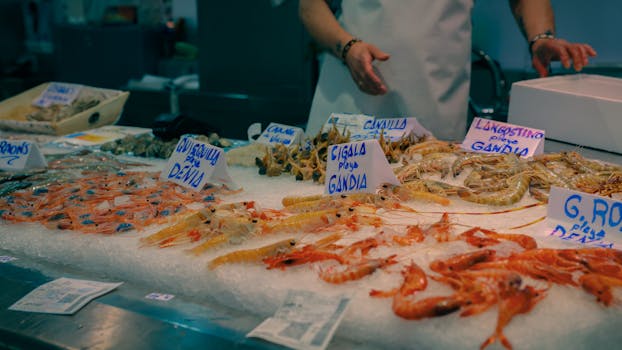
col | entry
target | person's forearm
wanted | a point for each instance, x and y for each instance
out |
(323, 26)
(533, 17)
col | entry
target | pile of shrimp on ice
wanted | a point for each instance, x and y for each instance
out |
(93, 193)
(492, 179)
(506, 271)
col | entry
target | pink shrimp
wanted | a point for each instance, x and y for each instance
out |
(439, 230)
(513, 302)
(406, 307)
(532, 268)
(600, 286)
(493, 238)
(462, 261)
(414, 233)
(356, 271)
(525, 241)
(414, 280)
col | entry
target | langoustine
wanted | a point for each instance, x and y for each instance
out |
(253, 255)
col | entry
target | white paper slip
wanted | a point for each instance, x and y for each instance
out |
(357, 167)
(5, 259)
(58, 94)
(489, 136)
(277, 133)
(64, 296)
(253, 131)
(349, 123)
(159, 296)
(101, 135)
(305, 320)
(20, 155)
(194, 163)
(585, 219)
(394, 128)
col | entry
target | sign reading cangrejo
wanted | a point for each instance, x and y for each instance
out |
(277, 133)
(357, 167)
(194, 163)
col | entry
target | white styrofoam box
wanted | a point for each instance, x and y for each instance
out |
(581, 109)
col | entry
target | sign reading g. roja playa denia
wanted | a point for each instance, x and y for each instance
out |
(583, 218)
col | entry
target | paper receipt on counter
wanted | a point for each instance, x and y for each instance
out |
(305, 320)
(63, 296)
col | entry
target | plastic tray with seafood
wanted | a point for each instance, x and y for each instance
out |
(93, 107)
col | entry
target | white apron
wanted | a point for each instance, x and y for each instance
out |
(427, 76)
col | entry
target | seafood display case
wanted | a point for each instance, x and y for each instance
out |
(443, 260)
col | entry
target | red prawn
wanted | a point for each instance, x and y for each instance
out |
(356, 271)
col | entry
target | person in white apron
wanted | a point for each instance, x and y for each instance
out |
(412, 58)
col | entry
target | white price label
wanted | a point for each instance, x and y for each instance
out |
(194, 163)
(583, 218)
(281, 134)
(394, 128)
(357, 167)
(20, 155)
(58, 94)
(5, 259)
(489, 136)
(349, 123)
(159, 296)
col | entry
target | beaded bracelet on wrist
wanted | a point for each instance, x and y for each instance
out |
(347, 47)
(546, 35)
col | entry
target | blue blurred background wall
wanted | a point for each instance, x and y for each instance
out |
(598, 23)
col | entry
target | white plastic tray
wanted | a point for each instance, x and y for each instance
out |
(581, 109)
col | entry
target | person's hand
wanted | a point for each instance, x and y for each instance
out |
(546, 50)
(359, 60)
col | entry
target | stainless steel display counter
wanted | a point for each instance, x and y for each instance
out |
(125, 319)
(122, 319)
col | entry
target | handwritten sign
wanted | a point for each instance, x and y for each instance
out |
(394, 128)
(19, 155)
(489, 136)
(159, 296)
(5, 259)
(194, 163)
(58, 94)
(352, 123)
(277, 133)
(357, 167)
(584, 218)
(366, 127)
